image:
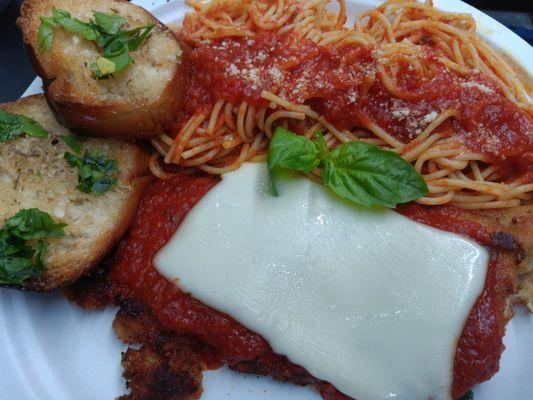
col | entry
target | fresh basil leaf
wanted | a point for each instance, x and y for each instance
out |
(19, 261)
(13, 125)
(109, 23)
(287, 150)
(368, 175)
(322, 146)
(97, 173)
(72, 141)
(357, 171)
(468, 395)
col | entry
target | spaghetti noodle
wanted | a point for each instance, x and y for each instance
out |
(405, 76)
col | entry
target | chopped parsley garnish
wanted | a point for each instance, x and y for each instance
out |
(357, 171)
(20, 259)
(73, 141)
(97, 173)
(13, 125)
(105, 30)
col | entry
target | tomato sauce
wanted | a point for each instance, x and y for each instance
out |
(344, 84)
(238, 69)
(164, 206)
(449, 219)
(480, 345)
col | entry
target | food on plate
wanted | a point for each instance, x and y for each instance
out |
(109, 67)
(176, 207)
(313, 276)
(77, 212)
(312, 279)
(427, 87)
(359, 172)
(406, 77)
(517, 221)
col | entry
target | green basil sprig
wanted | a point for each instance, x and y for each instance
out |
(105, 30)
(19, 260)
(97, 174)
(14, 125)
(360, 172)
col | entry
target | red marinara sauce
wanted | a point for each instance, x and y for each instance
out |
(345, 86)
(164, 206)
(480, 346)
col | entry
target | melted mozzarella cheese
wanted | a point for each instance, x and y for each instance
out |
(363, 298)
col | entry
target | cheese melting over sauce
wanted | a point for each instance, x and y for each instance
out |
(365, 299)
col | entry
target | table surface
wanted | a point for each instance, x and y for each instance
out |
(17, 73)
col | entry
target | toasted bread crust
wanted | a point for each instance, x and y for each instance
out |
(109, 107)
(104, 119)
(34, 174)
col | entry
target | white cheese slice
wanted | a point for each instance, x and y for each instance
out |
(365, 299)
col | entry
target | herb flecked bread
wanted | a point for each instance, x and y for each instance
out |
(136, 102)
(35, 174)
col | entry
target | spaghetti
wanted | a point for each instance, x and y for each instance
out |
(405, 76)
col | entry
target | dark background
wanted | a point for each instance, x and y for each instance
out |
(17, 74)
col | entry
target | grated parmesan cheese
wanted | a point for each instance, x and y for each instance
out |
(352, 97)
(428, 118)
(401, 113)
(275, 73)
(262, 56)
(232, 69)
(477, 85)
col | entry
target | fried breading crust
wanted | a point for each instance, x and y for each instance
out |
(165, 367)
(518, 222)
(503, 244)
(168, 366)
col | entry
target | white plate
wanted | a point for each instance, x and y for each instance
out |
(52, 350)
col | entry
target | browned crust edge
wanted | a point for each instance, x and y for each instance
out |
(55, 279)
(112, 119)
(139, 178)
